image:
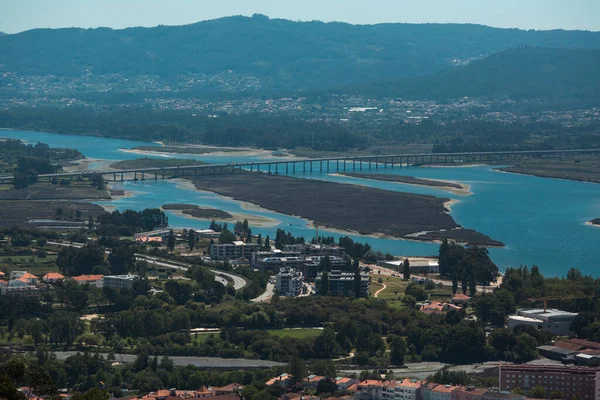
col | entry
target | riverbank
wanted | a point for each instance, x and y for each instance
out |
(585, 169)
(253, 220)
(450, 186)
(594, 222)
(349, 208)
(165, 151)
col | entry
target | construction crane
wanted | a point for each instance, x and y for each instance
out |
(546, 298)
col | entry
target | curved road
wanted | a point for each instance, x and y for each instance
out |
(222, 277)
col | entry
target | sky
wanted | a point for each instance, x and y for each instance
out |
(21, 15)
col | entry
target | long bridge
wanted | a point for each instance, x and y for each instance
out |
(309, 165)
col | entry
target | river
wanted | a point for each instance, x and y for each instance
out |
(541, 221)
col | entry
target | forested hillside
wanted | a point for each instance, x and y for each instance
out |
(524, 73)
(292, 55)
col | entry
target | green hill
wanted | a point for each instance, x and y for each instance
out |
(524, 73)
(284, 54)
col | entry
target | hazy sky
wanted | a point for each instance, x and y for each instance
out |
(20, 15)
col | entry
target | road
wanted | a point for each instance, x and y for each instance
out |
(201, 362)
(267, 295)
(220, 276)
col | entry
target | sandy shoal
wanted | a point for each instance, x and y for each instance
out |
(464, 190)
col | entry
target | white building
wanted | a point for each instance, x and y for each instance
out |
(22, 291)
(118, 282)
(289, 282)
(557, 322)
(231, 251)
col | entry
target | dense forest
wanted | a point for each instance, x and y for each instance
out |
(285, 54)
(142, 123)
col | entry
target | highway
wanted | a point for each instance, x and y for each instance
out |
(220, 276)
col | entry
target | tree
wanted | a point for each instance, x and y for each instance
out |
(90, 223)
(60, 213)
(454, 284)
(267, 243)
(537, 392)
(171, 241)
(226, 236)
(20, 180)
(417, 291)
(248, 392)
(556, 394)
(325, 343)
(397, 349)
(191, 239)
(324, 368)
(406, 269)
(297, 368)
(78, 214)
(472, 285)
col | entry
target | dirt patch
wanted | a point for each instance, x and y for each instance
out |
(410, 180)
(346, 207)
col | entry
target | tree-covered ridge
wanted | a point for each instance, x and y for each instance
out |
(523, 73)
(19, 156)
(290, 54)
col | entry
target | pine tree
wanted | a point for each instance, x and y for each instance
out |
(357, 280)
(406, 269)
(324, 289)
(191, 239)
(454, 284)
(171, 241)
(472, 285)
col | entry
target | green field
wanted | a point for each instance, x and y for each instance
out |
(32, 264)
(396, 287)
(296, 333)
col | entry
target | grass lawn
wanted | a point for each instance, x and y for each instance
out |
(32, 264)
(296, 333)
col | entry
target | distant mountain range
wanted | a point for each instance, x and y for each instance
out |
(525, 73)
(287, 55)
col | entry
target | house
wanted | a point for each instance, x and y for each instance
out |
(16, 274)
(21, 291)
(149, 239)
(232, 388)
(312, 381)
(3, 283)
(284, 380)
(370, 390)
(92, 280)
(460, 299)
(438, 307)
(426, 390)
(344, 383)
(442, 392)
(52, 277)
(468, 393)
(2, 275)
(407, 389)
(29, 278)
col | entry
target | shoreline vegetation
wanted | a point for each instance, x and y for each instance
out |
(146, 162)
(192, 211)
(345, 207)
(454, 187)
(584, 169)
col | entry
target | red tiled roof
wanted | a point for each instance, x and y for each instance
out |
(443, 388)
(352, 388)
(370, 382)
(410, 383)
(87, 278)
(460, 296)
(3, 283)
(53, 275)
(27, 275)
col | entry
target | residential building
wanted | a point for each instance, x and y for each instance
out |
(3, 283)
(424, 266)
(312, 381)
(426, 390)
(284, 380)
(557, 322)
(21, 291)
(118, 282)
(231, 251)
(442, 392)
(468, 393)
(162, 233)
(24, 277)
(571, 381)
(52, 277)
(207, 233)
(92, 280)
(408, 389)
(18, 283)
(275, 264)
(16, 274)
(370, 390)
(342, 283)
(289, 282)
(344, 383)
(149, 239)
(2, 275)
(461, 299)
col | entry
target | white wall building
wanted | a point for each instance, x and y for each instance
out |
(119, 282)
(289, 282)
(232, 251)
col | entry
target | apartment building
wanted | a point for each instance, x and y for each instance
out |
(342, 283)
(289, 282)
(442, 392)
(370, 390)
(232, 251)
(119, 282)
(571, 381)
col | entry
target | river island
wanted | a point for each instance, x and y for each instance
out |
(454, 187)
(345, 207)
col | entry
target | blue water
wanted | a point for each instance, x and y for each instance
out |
(541, 221)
